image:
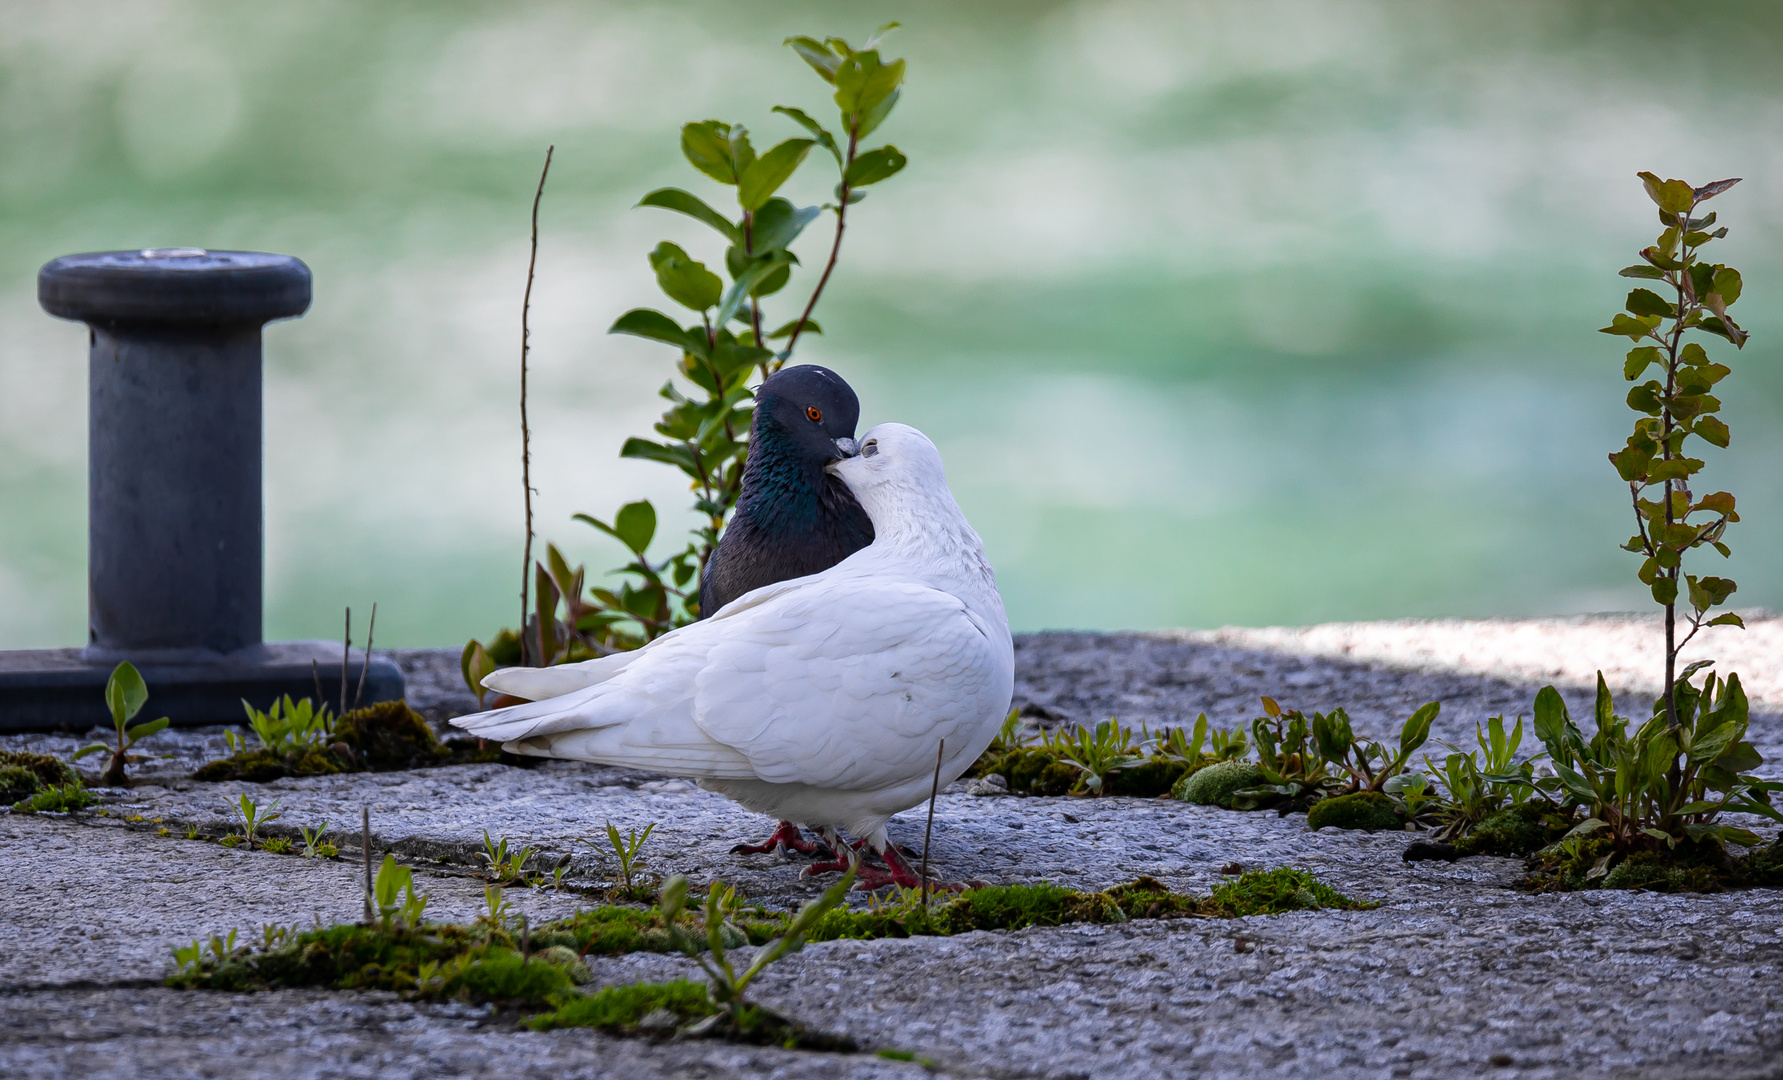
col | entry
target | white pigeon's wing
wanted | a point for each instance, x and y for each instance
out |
(849, 683)
(537, 684)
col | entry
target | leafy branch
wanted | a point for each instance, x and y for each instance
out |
(721, 357)
(1675, 407)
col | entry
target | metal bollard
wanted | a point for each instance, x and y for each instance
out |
(175, 545)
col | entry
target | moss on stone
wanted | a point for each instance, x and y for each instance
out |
(621, 1008)
(1214, 784)
(23, 774)
(1514, 831)
(388, 736)
(1368, 810)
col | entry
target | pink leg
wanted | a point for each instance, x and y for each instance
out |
(786, 835)
(838, 863)
(897, 872)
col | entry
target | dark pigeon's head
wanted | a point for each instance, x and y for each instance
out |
(809, 411)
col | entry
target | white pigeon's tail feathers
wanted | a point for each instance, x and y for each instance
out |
(537, 684)
(535, 718)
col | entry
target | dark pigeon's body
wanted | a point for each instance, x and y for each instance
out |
(792, 517)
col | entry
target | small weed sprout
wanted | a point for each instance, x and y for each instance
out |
(727, 986)
(625, 849)
(497, 910)
(252, 817)
(1097, 753)
(125, 695)
(314, 847)
(395, 896)
(503, 867)
(287, 726)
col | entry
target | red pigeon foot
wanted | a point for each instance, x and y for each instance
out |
(897, 872)
(786, 835)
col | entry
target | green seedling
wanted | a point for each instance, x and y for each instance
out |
(496, 908)
(1370, 765)
(288, 726)
(1484, 780)
(503, 867)
(1009, 735)
(125, 695)
(251, 816)
(626, 849)
(1675, 407)
(727, 986)
(393, 894)
(314, 847)
(1097, 753)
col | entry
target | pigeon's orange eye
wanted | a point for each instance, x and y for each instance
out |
(811, 411)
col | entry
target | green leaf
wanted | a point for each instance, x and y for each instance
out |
(764, 176)
(655, 326)
(1710, 190)
(741, 288)
(1728, 619)
(872, 118)
(708, 147)
(1639, 358)
(686, 281)
(143, 731)
(1631, 464)
(646, 450)
(817, 130)
(635, 524)
(1648, 302)
(1646, 398)
(1672, 196)
(874, 166)
(1727, 284)
(1642, 271)
(1417, 729)
(778, 223)
(811, 327)
(693, 206)
(1633, 329)
(96, 748)
(1551, 722)
(1713, 431)
(125, 693)
(817, 54)
(863, 82)
(1665, 590)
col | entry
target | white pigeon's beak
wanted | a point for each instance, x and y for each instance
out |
(847, 448)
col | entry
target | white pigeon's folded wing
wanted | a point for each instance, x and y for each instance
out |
(850, 682)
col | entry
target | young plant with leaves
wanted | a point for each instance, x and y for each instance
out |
(1665, 783)
(1676, 406)
(125, 695)
(722, 355)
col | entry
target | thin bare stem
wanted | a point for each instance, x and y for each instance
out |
(934, 789)
(365, 848)
(835, 248)
(346, 652)
(526, 431)
(365, 668)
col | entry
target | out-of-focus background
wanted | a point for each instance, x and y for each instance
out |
(1221, 312)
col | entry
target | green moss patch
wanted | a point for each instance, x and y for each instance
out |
(1591, 862)
(621, 1009)
(1368, 810)
(385, 737)
(57, 800)
(1514, 831)
(23, 774)
(1215, 784)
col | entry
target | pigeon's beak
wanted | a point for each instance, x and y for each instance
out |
(847, 448)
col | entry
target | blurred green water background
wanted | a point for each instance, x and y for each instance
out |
(1221, 312)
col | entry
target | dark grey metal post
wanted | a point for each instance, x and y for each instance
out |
(175, 521)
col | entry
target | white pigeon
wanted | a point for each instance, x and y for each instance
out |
(820, 699)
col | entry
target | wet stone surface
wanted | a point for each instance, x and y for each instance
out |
(1455, 974)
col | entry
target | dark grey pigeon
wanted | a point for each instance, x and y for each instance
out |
(792, 518)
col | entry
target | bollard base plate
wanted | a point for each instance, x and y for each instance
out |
(64, 689)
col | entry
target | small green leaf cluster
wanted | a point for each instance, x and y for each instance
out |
(251, 817)
(394, 897)
(1107, 759)
(1663, 784)
(289, 727)
(56, 799)
(125, 695)
(299, 740)
(1677, 405)
(502, 866)
(720, 357)
(625, 852)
